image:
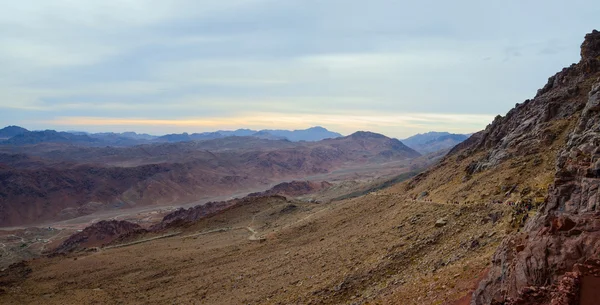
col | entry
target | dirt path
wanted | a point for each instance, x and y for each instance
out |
(142, 240)
(254, 233)
(218, 230)
(22, 239)
(49, 240)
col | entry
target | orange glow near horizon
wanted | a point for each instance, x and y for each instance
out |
(388, 124)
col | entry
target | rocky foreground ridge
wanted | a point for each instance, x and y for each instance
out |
(554, 260)
(99, 234)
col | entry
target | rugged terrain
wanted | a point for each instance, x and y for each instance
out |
(49, 182)
(377, 248)
(542, 153)
(560, 246)
(507, 217)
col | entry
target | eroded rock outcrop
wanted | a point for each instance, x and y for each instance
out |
(182, 217)
(294, 188)
(99, 234)
(551, 259)
(185, 216)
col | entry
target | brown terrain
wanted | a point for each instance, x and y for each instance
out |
(507, 217)
(295, 188)
(49, 182)
(272, 250)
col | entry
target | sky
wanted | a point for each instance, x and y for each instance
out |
(393, 67)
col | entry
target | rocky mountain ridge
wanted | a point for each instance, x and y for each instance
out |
(541, 155)
(562, 242)
(99, 234)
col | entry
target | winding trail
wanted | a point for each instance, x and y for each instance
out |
(254, 233)
(218, 230)
(143, 240)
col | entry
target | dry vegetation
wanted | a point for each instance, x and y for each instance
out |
(375, 249)
(522, 177)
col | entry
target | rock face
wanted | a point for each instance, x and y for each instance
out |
(554, 257)
(182, 217)
(573, 288)
(99, 234)
(514, 158)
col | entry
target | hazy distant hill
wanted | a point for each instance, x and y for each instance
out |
(35, 137)
(127, 134)
(310, 135)
(237, 133)
(9, 135)
(434, 141)
(263, 134)
(11, 131)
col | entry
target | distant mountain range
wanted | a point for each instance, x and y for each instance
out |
(15, 135)
(52, 182)
(310, 135)
(434, 141)
(35, 137)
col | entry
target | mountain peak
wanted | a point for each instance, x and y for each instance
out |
(590, 48)
(11, 131)
(366, 134)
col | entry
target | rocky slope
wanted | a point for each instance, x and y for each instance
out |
(183, 217)
(99, 234)
(541, 154)
(57, 192)
(513, 159)
(374, 249)
(295, 188)
(561, 244)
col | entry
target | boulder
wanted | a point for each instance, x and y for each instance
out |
(441, 222)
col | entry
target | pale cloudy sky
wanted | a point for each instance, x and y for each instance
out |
(395, 67)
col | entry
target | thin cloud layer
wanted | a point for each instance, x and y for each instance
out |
(459, 123)
(395, 67)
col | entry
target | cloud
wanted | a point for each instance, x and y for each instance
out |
(339, 61)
